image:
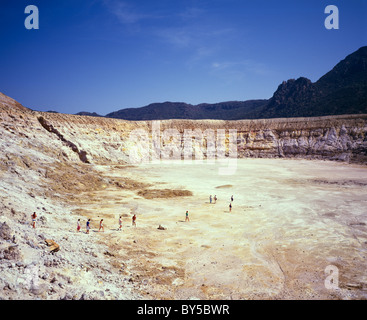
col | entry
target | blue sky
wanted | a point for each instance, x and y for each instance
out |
(105, 55)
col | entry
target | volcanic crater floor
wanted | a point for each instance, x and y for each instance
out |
(291, 220)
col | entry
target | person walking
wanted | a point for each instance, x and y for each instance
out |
(120, 223)
(34, 217)
(187, 216)
(232, 198)
(210, 199)
(215, 199)
(230, 207)
(88, 226)
(78, 226)
(134, 220)
(101, 227)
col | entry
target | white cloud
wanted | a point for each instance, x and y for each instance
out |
(241, 66)
(234, 71)
(180, 37)
(124, 11)
(191, 13)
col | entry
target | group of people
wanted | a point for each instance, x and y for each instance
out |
(215, 201)
(230, 204)
(101, 227)
(211, 199)
(87, 226)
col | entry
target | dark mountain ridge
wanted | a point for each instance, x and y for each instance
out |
(231, 110)
(343, 90)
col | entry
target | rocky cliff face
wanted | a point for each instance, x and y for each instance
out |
(42, 171)
(102, 140)
(343, 90)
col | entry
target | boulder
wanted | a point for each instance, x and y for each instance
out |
(54, 247)
(5, 231)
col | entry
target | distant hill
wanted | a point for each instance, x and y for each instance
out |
(231, 110)
(343, 90)
(86, 113)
